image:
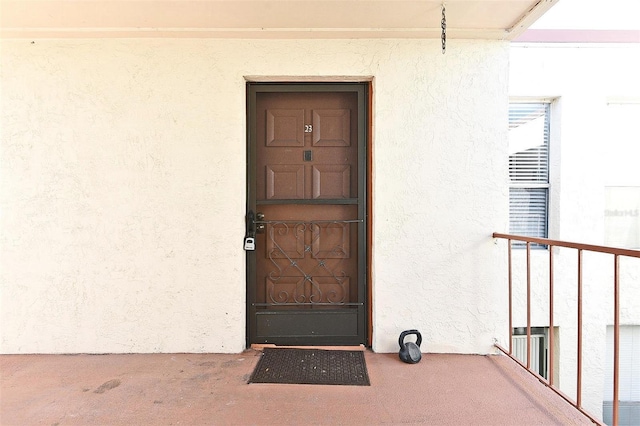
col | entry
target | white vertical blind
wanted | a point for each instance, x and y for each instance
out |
(629, 377)
(629, 385)
(536, 349)
(529, 168)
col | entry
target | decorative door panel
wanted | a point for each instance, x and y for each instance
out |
(285, 127)
(316, 291)
(331, 181)
(305, 279)
(331, 240)
(333, 127)
(307, 263)
(306, 153)
(284, 181)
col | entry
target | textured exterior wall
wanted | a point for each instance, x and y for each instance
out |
(123, 189)
(582, 80)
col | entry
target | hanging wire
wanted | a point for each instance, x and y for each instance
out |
(444, 29)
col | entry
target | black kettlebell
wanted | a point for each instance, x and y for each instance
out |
(410, 352)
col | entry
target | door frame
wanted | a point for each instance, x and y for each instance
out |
(364, 91)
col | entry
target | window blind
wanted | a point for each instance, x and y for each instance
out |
(629, 377)
(528, 211)
(529, 168)
(529, 143)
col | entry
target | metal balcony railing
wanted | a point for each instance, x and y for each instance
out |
(616, 253)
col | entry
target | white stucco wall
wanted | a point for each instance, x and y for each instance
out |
(585, 157)
(123, 189)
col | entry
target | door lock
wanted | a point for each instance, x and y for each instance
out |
(249, 243)
(259, 225)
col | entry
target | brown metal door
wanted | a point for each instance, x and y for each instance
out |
(306, 198)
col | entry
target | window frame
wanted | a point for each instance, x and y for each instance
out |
(550, 130)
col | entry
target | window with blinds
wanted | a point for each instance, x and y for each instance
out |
(629, 377)
(529, 169)
(538, 347)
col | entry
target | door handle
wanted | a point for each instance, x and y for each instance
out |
(259, 223)
(255, 224)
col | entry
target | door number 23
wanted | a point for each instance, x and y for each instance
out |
(308, 128)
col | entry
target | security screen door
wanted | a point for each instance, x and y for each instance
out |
(306, 209)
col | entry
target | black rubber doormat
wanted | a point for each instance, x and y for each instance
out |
(311, 366)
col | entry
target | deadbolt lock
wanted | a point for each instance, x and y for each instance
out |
(259, 225)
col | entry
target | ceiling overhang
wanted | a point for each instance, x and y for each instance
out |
(465, 19)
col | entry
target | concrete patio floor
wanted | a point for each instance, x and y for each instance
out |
(212, 389)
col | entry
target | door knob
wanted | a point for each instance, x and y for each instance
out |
(259, 225)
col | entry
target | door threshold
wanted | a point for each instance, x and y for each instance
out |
(261, 346)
